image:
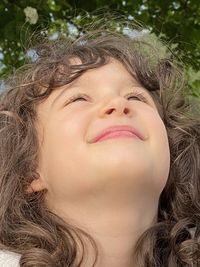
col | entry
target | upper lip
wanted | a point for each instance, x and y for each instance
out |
(115, 128)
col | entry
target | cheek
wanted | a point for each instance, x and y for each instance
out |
(159, 145)
(62, 140)
(67, 127)
(162, 152)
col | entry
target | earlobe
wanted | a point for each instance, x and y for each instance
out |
(36, 186)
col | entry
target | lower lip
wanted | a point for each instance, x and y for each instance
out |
(118, 134)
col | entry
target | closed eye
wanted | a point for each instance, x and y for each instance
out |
(83, 97)
(137, 96)
(77, 97)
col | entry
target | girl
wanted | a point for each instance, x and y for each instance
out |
(100, 158)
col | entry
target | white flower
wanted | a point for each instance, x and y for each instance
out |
(31, 15)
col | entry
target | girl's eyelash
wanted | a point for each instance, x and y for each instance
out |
(137, 95)
(76, 97)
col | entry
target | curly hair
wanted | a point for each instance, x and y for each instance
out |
(43, 238)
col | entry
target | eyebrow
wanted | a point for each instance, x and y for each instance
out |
(75, 83)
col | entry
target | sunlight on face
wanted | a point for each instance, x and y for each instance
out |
(73, 168)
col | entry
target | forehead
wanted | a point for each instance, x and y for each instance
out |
(113, 72)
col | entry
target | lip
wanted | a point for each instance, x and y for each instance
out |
(118, 128)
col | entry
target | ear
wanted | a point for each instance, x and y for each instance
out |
(36, 185)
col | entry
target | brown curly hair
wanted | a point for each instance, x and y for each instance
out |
(27, 226)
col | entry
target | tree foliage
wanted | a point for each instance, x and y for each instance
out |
(176, 22)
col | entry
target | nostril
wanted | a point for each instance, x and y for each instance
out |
(126, 110)
(110, 111)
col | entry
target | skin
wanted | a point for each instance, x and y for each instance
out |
(110, 188)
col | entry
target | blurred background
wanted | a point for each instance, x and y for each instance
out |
(177, 23)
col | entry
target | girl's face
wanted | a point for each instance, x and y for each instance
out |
(73, 167)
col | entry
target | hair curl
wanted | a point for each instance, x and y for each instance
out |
(27, 226)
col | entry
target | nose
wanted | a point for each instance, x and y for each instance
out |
(117, 106)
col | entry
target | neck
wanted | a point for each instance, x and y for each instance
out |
(116, 236)
(115, 227)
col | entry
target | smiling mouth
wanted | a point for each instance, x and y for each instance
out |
(118, 134)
